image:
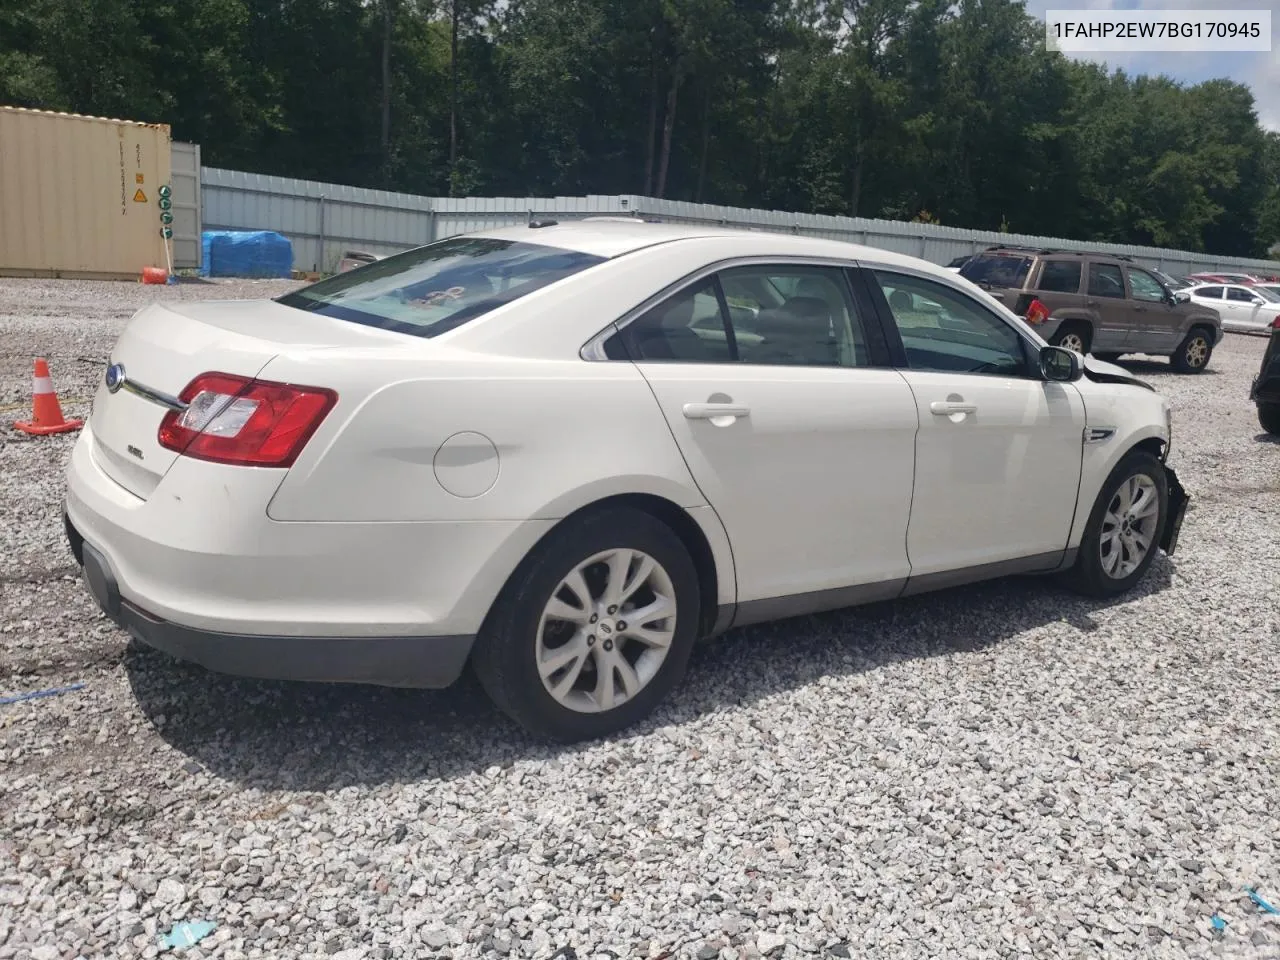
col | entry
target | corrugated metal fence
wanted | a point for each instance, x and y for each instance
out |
(325, 219)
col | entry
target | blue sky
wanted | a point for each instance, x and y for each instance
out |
(1259, 71)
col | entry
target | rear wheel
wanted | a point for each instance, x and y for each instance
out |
(1192, 355)
(1269, 417)
(594, 630)
(1073, 336)
(1124, 528)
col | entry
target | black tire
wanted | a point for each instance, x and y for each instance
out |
(1269, 417)
(1072, 329)
(505, 654)
(1197, 344)
(1088, 576)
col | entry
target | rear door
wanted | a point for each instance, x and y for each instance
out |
(1157, 324)
(795, 428)
(999, 450)
(1113, 316)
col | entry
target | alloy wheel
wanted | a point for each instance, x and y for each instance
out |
(1072, 341)
(606, 630)
(1129, 526)
(1197, 352)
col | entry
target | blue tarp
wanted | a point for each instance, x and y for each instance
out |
(245, 253)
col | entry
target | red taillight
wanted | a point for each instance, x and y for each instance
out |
(1275, 324)
(232, 419)
(1037, 312)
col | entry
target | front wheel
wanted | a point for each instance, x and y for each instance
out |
(1124, 528)
(594, 630)
(1269, 417)
(1192, 355)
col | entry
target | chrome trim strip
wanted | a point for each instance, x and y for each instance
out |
(155, 396)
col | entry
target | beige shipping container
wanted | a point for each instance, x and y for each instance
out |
(78, 195)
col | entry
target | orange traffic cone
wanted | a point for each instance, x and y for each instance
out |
(46, 411)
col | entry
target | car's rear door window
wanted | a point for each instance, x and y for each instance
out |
(429, 290)
(1209, 293)
(1060, 276)
(789, 315)
(1105, 280)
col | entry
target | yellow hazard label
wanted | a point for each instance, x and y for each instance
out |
(139, 196)
(139, 178)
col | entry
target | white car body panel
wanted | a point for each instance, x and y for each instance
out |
(813, 483)
(447, 459)
(998, 483)
(1238, 316)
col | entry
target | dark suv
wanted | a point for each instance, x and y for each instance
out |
(1098, 303)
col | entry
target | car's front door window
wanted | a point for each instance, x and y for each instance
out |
(1240, 295)
(1145, 287)
(947, 331)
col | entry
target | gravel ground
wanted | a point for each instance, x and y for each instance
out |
(995, 771)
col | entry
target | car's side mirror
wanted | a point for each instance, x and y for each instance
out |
(1257, 301)
(1060, 364)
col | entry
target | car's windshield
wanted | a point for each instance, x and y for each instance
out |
(1267, 294)
(429, 290)
(997, 270)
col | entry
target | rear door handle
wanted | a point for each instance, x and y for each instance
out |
(945, 408)
(710, 411)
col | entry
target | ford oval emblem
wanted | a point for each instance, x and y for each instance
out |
(115, 377)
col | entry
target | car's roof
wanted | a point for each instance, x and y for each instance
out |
(614, 237)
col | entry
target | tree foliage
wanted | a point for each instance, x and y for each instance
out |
(946, 111)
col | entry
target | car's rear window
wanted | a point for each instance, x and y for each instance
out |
(429, 290)
(997, 270)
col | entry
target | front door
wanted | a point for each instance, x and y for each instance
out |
(1157, 324)
(798, 440)
(999, 450)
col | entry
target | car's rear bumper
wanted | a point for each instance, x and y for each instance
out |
(427, 662)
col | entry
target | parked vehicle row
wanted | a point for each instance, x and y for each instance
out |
(1098, 303)
(562, 453)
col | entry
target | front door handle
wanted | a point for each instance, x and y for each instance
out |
(945, 408)
(712, 411)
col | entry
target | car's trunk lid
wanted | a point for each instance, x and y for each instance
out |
(165, 346)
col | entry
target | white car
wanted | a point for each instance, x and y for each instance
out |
(565, 452)
(1250, 309)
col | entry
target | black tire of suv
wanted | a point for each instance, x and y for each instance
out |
(1087, 576)
(1076, 327)
(1180, 360)
(1269, 418)
(504, 656)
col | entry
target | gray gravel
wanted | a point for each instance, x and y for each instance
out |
(996, 771)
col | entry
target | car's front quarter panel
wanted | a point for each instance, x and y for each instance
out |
(1134, 414)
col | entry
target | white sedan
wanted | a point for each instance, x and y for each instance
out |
(563, 453)
(1250, 309)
